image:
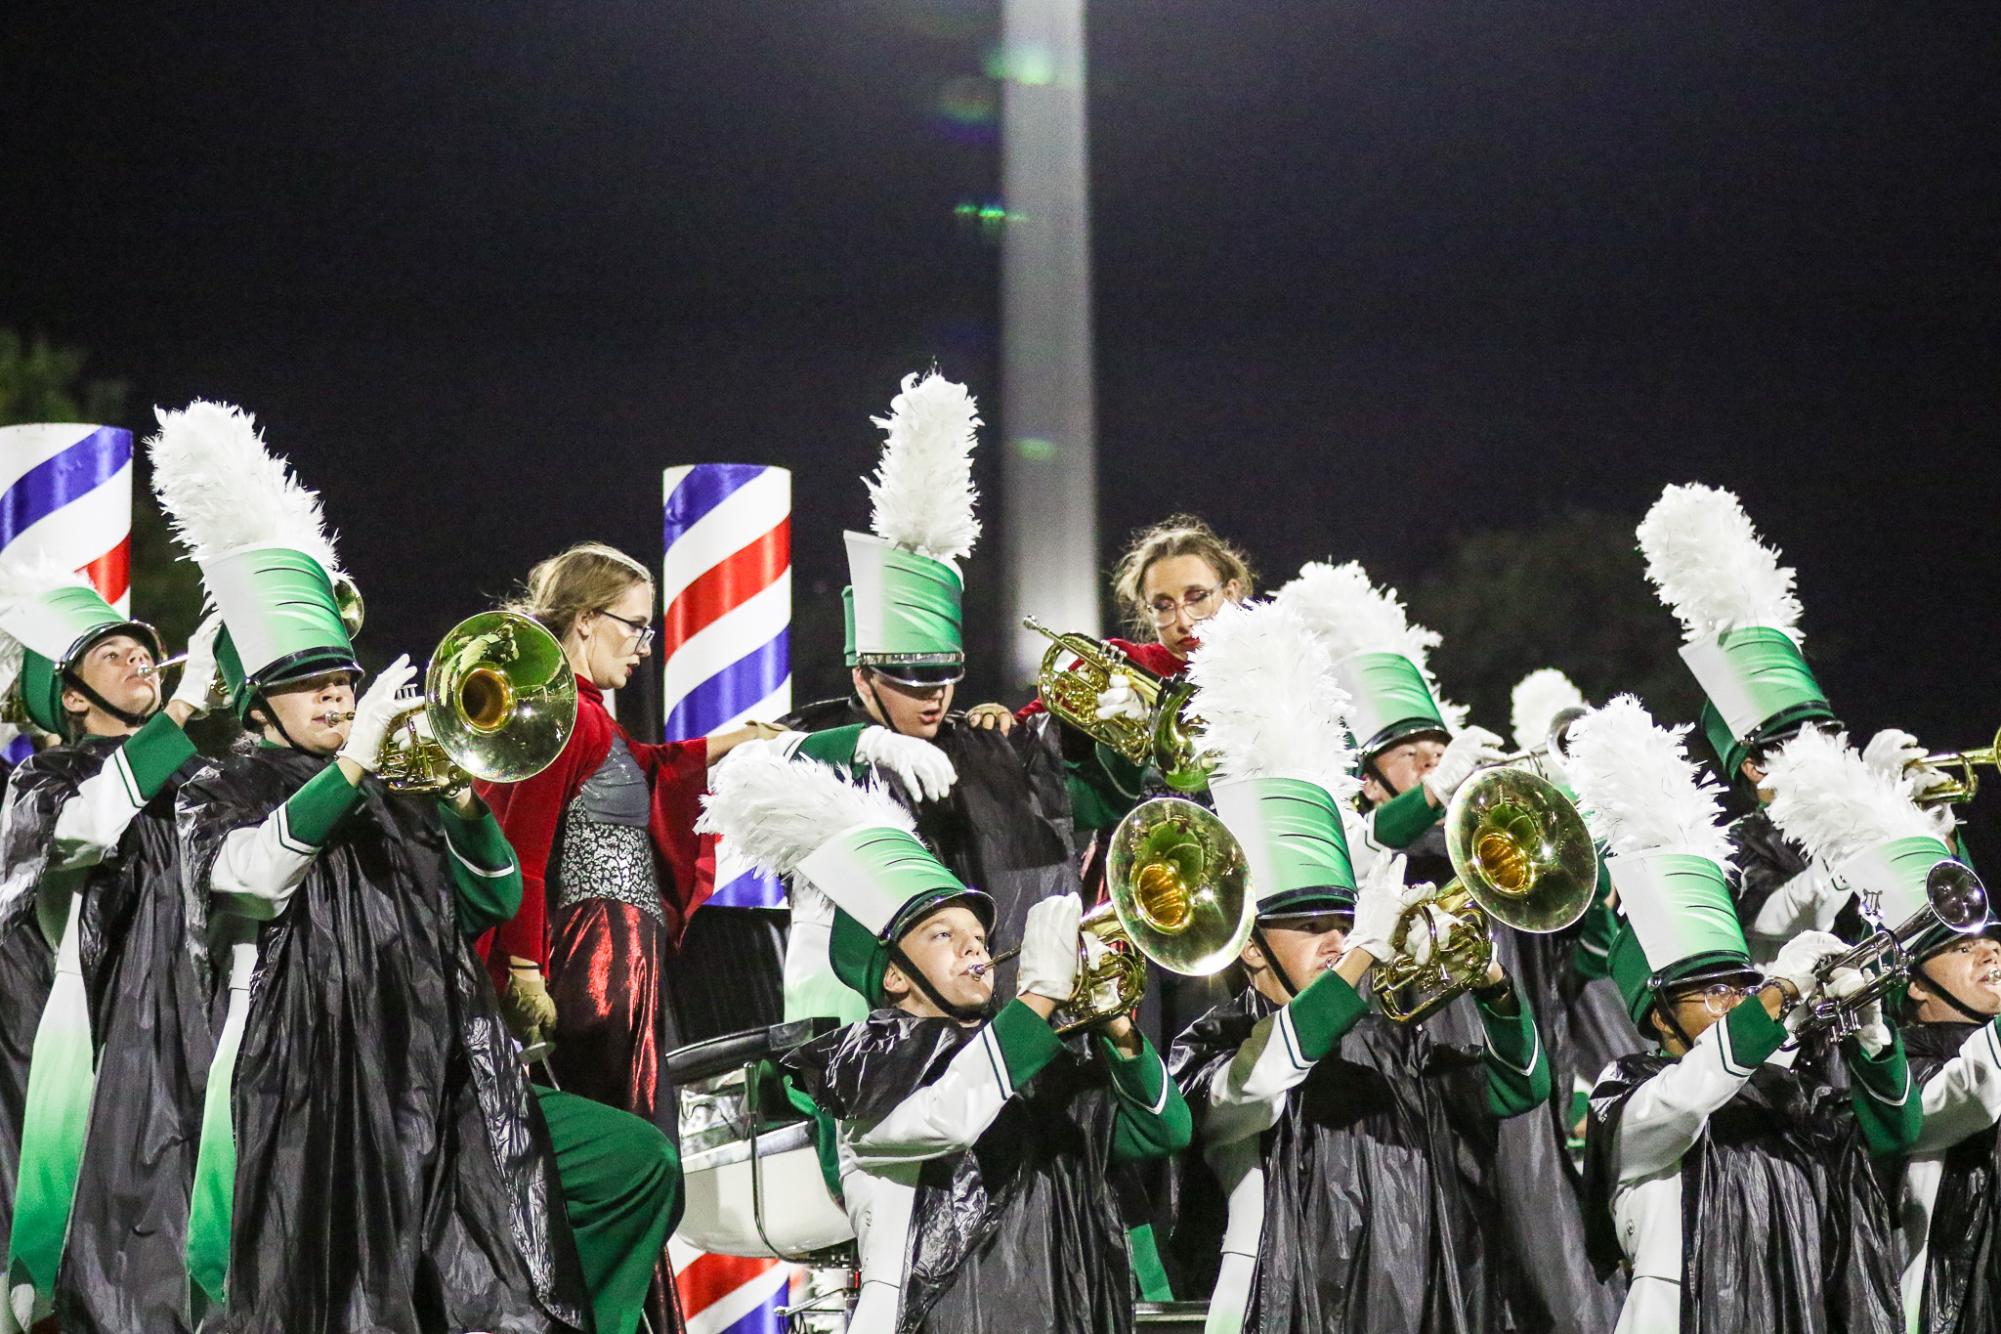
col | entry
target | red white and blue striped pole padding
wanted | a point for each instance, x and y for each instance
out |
(732, 1294)
(725, 644)
(66, 495)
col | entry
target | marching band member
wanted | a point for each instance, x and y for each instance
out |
(1327, 1127)
(1734, 1183)
(370, 1154)
(1415, 750)
(1863, 823)
(1741, 617)
(995, 804)
(87, 856)
(974, 1145)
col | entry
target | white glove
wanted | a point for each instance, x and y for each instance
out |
(924, 769)
(197, 684)
(1896, 754)
(1471, 749)
(1378, 907)
(1800, 960)
(1809, 901)
(1117, 699)
(381, 707)
(1871, 1032)
(1049, 949)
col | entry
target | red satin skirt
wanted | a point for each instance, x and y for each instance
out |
(612, 1028)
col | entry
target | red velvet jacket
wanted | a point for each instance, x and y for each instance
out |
(530, 812)
(1156, 657)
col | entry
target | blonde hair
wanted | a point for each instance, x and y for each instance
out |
(589, 577)
(1176, 535)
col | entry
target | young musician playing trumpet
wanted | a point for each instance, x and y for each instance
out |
(1330, 1132)
(974, 1146)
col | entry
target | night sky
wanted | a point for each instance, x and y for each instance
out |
(1369, 275)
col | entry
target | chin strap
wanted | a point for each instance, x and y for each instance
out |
(1271, 960)
(965, 1014)
(130, 719)
(882, 711)
(1945, 994)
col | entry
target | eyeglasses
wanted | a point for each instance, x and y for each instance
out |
(1199, 605)
(1722, 998)
(644, 632)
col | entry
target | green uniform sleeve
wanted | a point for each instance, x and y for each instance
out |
(1593, 955)
(1152, 1119)
(1103, 788)
(1323, 1013)
(312, 812)
(1888, 1108)
(1027, 1042)
(835, 746)
(485, 872)
(1754, 1034)
(153, 753)
(1402, 820)
(1518, 1078)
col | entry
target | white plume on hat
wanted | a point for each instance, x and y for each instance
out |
(224, 491)
(23, 579)
(1637, 788)
(1351, 615)
(774, 811)
(922, 493)
(1536, 700)
(1270, 703)
(1710, 566)
(1827, 799)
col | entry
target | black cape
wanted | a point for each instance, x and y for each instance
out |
(1367, 1222)
(123, 1266)
(35, 796)
(1018, 1232)
(1963, 1259)
(392, 1170)
(1785, 1229)
(1006, 825)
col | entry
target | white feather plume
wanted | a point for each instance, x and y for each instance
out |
(223, 490)
(775, 811)
(1269, 700)
(1537, 699)
(23, 579)
(1352, 615)
(922, 493)
(1828, 800)
(1637, 788)
(1711, 567)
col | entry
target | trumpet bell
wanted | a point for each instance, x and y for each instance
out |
(1957, 897)
(1521, 850)
(500, 697)
(1179, 886)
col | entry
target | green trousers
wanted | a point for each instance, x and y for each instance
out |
(622, 1190)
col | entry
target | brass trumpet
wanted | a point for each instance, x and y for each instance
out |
(1966, 784)
(1522, 856)
(1179, 895)
(1956, 904)
(1077, 668)
(500, 702)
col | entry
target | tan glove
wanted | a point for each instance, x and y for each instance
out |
(527, 1007)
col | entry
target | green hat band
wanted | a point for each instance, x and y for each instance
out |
(1894, 873)
(875, 874)
(1678, 904)
(902, 607)
(1390, 697)
(1639, 984)
(283, 620)
(1293, 842)
(1753, 677)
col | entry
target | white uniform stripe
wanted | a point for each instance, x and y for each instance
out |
(749, 512)
(494, 873)
(1535, 1053)
(287, 841)
(750, 625)
(1897, 1101)
(769, 709)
